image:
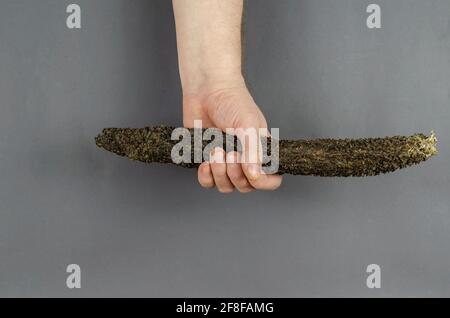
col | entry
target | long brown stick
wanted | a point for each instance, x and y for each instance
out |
(320, 157)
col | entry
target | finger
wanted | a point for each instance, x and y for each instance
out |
(235, 173)
(267, 182)
(219, 171)
(205, 177)
(251, 151)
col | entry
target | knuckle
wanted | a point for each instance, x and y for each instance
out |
(242, 182)
(232, 158)
(235, 173)
(219, 169)
(255, 184)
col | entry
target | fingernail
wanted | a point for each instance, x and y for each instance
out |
(254, 171)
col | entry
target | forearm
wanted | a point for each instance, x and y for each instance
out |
(209, 41)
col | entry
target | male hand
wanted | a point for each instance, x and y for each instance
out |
(228, 104)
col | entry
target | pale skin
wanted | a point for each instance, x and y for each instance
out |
(214, 89)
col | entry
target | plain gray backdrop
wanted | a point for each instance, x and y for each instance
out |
(314, 68)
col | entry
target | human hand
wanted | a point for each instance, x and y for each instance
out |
(228, 104)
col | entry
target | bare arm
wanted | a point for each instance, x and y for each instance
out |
(209, 41)
(214, 90)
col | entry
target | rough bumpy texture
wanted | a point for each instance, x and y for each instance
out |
(321, 157)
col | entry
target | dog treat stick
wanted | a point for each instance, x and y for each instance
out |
(319, 157)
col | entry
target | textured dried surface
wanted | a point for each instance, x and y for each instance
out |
(320, 157)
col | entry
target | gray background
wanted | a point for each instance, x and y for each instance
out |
(315, 69)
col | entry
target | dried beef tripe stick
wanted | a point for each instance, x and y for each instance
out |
(319, 157)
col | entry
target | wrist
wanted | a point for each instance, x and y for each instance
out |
(208, 80)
